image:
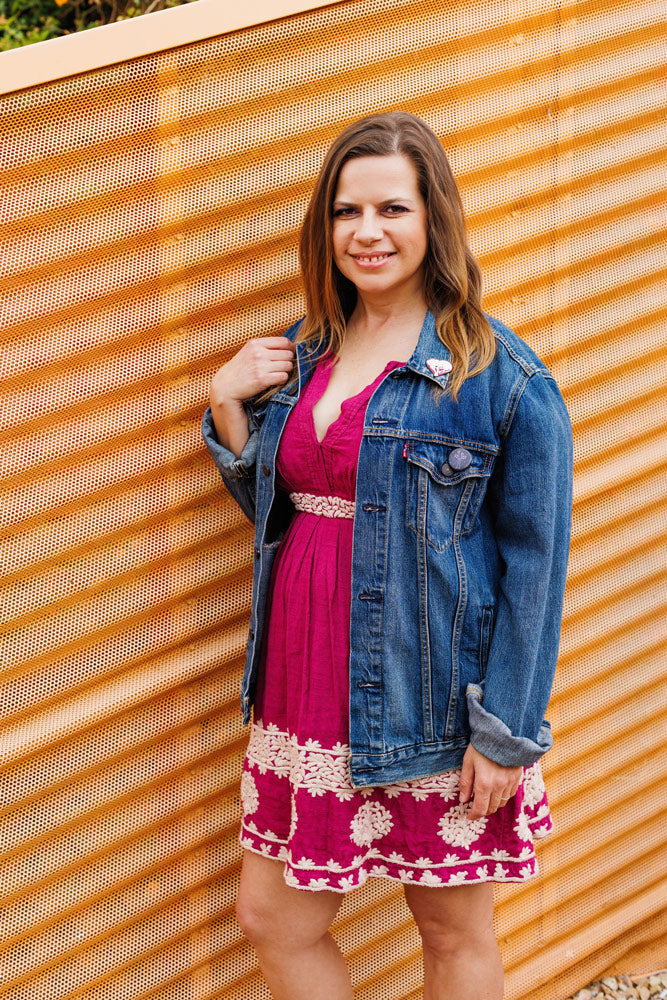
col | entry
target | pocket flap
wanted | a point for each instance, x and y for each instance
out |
(448, 464)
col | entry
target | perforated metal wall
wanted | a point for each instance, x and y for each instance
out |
(149, 219)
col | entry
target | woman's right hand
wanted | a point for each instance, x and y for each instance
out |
(259, 364)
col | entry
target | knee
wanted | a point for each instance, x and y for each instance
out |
(441, 939)
(256, 920)
(448, 931)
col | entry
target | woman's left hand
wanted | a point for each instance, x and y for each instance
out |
(490, 785)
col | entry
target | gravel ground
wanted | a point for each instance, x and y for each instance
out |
(651, 986)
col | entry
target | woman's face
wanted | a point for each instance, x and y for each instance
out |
(380, 229)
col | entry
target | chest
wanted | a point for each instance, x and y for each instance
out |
(343, 381)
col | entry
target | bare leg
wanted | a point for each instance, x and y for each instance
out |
(461, 955)
(289, 930)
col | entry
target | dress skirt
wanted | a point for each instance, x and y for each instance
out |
(298, 804)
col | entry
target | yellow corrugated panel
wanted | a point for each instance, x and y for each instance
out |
(150, 213)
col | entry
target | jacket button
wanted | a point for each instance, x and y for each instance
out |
(266, 470)
(251, 634)
(459, 459)
(294, 389)
(256, 553)
(447, 470)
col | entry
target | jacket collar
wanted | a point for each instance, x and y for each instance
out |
(429, 348)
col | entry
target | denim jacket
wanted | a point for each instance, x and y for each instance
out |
(460, 545)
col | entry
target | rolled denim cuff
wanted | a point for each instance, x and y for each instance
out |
(227, 463)
(494, 740)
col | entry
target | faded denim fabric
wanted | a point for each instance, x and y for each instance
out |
(458, 574)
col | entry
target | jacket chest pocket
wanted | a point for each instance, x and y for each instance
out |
(445, 488)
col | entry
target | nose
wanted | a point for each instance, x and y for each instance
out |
(368, 230)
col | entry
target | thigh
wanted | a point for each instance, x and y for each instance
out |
(268, 907)
(453, 910)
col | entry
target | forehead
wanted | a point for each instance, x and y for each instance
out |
(377, 177)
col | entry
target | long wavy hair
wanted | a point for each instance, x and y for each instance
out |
(452, 277)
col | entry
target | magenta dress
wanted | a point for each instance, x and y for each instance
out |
(297, 800)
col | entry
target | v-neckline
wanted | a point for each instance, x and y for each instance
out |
(344, 402)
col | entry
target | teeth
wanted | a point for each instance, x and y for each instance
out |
(375, 258)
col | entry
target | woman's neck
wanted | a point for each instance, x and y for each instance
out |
(375, 322)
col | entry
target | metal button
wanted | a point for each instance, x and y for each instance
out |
(266, 470)
(459, 459)
(447, 470)
(256, 553)
(294, 389)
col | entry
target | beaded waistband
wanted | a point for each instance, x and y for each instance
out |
(324, 506)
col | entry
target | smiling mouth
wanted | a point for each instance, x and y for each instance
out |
(372, 258)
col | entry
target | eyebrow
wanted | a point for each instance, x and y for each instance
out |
(385, 201)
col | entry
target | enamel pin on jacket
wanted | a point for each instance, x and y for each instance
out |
(460, 549)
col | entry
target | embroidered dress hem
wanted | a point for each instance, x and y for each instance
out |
(411, 832)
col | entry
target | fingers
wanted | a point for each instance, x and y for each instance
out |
(277, 342)
(261, 363)
(467, 778)
(491, 785)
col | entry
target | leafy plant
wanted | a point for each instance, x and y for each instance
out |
(25, 21)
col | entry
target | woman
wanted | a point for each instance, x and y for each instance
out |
(410, 482)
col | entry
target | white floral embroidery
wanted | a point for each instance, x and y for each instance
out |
(498, 854)
(526, 871)
(379, 870)
(269, 749)
(319, 883)
(459, 831)
(533, 786)
(346, 882)
(291, 879)
(423, 863)
(482, 872)
(405, 875)
(320, 770)
(430, 878)
(456, 878)
(522, 828)
(445, 785)
(294, 819)
(370, 822)
(525, 852)
(500, 872)
(249, 793)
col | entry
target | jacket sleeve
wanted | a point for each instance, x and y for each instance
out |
(238, 474)
(531, 496)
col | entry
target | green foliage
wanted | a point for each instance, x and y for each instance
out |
(25, 21)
